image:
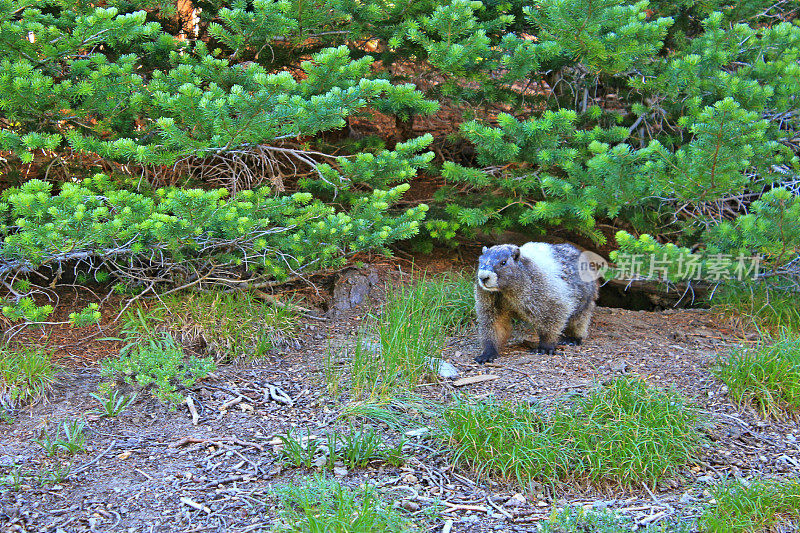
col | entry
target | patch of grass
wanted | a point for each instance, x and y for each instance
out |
(301, 450)
(766, 376)
(759, 304)
(229, 326)
(411, 333)
(26, 374)
(51, 476)
(358, 448)
(354, 449)
(580, 520)
(454, 295)
(398, 412)
(152, 358)
(72, 442)
(17, 478)
(625, 433)
(14, 479)
(757, 507)
(320, 505)
(113, 403)
(402, 345)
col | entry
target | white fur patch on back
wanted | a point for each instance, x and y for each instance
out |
(541, 255)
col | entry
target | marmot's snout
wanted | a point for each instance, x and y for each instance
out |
(487, 280)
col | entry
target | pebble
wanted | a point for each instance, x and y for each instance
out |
(620, 365)
(417, 432)
(517, 500)
(601, 505)
(447, 370)
(409, 505)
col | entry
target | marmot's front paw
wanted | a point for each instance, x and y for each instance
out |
(546, 349)
(485, 357)
(570, 341)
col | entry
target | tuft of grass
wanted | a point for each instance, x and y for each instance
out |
(766, 376)
(113, 403)
(411, 333)
(398, 412)
(354, 449)
(401, 345)
(26, 375)
(580, 520)
(299, 449)
(318, 505)
(358, 448)
(757, 507)
(229, 326)
(454, 295)
(626, 433)
(14, 479)
(54, 475)
(759, 304)
(72, 442)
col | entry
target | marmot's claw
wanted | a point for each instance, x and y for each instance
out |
(570, 341)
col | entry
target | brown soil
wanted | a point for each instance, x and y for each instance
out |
(151, 469)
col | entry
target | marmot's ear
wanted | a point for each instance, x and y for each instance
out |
(515, 253)
(483, 251)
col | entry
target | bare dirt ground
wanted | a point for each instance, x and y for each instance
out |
(151, 469)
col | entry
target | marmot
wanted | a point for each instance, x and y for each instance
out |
(549, 286)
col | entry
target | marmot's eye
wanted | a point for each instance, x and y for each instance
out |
(503, 262)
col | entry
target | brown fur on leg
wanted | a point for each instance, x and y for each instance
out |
(578, 325)
(494, 326)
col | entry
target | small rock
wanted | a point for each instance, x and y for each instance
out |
(786, 463)
(621, 365)
(517, 500)
(410, 479)
(541, 503)
(340, 471)
(409, 505)
(602, 505)
(417, 432)
(706, 479)
(446, 370)
(686, 498)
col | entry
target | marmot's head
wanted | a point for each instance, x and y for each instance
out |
(497, 267)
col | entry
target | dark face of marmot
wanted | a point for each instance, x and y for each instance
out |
(497, 267)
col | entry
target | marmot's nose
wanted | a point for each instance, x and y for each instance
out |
(484, 276)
